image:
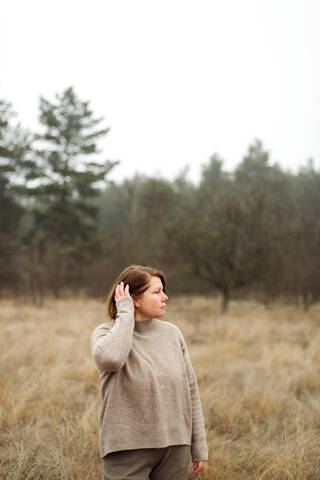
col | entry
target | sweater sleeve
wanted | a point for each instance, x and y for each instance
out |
(199, 447)
(110, 347)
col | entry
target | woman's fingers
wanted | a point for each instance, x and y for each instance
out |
(121, 291)
(117, 293)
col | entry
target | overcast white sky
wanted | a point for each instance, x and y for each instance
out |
(176, 80)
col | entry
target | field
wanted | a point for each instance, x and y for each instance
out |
(258, 372)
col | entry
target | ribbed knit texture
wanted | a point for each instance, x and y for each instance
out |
(150, 396)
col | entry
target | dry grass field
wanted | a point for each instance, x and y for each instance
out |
(258, 372)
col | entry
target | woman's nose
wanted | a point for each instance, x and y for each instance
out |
(164, 298)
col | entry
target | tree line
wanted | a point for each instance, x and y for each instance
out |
(65, 227)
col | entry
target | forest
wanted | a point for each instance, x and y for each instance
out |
(253, 232)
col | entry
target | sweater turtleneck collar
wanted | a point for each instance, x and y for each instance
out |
(143, 325)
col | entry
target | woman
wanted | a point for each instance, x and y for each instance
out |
(151, 415)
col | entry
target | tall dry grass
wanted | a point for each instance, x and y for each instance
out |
(258, 374)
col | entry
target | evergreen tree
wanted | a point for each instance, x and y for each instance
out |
(16, 166)
(302, 248)
(66, 220)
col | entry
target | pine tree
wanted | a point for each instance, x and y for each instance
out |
(66, 220)
(16, 165)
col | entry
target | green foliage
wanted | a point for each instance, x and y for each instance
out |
(68, 180)
(137, 215)
(65, 231)
(302, 252)
(233, 225)
(15, 146)
(15, 165)
(254, 228)
(235, 231)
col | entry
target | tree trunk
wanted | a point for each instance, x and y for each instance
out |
(306, 300)
(37, 291)
(225, 301)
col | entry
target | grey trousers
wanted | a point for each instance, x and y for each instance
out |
(169, 463)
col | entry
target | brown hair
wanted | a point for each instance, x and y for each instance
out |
(137, 277)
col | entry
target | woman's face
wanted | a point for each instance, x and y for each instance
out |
(152, 303)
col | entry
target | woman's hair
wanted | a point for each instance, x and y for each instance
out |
(138, 278)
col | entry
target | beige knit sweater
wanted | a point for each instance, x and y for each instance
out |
(150, 396)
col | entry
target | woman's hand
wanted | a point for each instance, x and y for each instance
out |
(197, 467)
(121, 291)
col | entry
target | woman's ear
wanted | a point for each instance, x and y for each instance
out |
(135, 301)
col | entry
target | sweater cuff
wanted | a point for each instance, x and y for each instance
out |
(125, 303)
(199, 452)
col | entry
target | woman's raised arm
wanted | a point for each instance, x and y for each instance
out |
(110, 347)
